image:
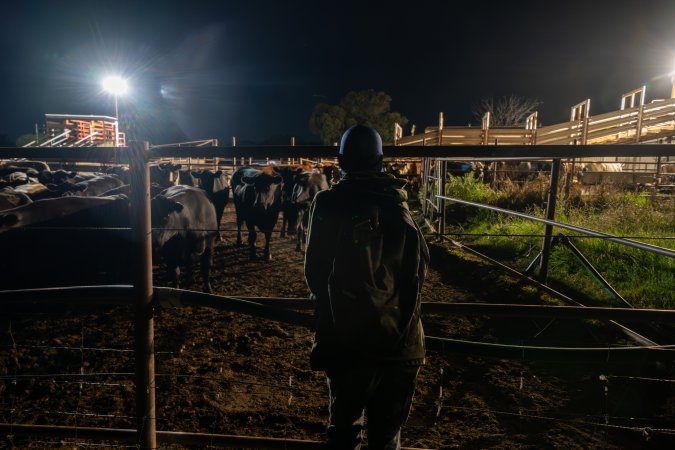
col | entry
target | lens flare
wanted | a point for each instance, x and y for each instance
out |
(115, 85)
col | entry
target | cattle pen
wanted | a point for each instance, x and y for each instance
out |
(143, 296)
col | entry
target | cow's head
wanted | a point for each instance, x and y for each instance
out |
(288, 176)
(212, 181)
(165, 173)
(266, 189)
(164, 219)
(307, 185)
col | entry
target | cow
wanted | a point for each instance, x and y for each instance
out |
(58, 177)
(667, 173)
(519, 171)
(125, 190)
(186, 178)
(595, 172)
(217, 188)
(257, 201)
(38, 166)
(74, 241)
(306, 186)
(165, 173)
(184, 228)
(287, 172)
(99, 184)
(9, 199)
(409, 171)
(13, 179)
(122, 172)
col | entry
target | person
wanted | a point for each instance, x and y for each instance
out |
(365, 263)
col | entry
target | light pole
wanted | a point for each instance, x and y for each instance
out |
(116, 86)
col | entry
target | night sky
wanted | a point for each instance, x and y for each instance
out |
(255, 69)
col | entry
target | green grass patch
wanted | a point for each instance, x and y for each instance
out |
(644, 279)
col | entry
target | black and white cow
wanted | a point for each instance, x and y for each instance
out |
(306, 186)
(257, 201)
(10, 199)
(184, 229)
(217, 188)
(165, 173)
(98, 185)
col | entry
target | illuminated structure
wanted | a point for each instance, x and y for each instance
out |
(84, 130)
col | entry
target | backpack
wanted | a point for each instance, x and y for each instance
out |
(362, 286)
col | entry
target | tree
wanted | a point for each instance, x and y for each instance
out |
(508, 111)
(367, 107)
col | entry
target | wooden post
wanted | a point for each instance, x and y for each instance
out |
(144, 346)
(485, 126)
(550, 215)
(216, 160)
(641, 109)
(425, 184)
(234, 158)
(440, 128)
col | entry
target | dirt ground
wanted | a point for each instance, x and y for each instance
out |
(221, 372)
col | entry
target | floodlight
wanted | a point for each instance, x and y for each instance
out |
(115, 85)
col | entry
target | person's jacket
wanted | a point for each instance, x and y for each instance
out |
(408, 255)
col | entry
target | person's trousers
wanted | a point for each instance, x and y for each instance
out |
(384, 393)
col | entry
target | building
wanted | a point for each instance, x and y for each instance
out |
(79, 130)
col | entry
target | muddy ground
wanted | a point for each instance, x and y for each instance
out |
(221, 372)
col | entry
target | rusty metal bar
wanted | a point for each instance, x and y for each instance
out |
(641, 245)
(144, 342)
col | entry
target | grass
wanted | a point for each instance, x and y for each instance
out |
(644, 279)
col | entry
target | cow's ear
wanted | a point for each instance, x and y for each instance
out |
(277, 179)
(71, 174)
(32, 173)
(8, 220)
(177, 167)
(247, 180)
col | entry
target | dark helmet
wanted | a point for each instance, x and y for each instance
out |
(360, 150)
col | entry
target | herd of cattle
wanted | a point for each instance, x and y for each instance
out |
(63, 228)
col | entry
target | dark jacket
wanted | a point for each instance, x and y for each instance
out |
(408, 258)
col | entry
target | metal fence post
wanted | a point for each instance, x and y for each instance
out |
(144, 346)
(441, 201)
(425, 185)
(550, 215)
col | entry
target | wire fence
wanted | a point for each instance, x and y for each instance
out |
(233, 384)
